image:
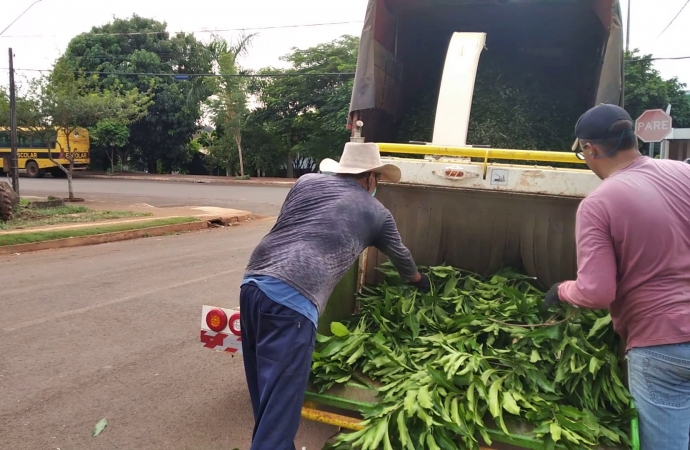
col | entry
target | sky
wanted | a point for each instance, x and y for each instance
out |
(43, 32)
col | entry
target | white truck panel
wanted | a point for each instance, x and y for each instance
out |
(498, 177)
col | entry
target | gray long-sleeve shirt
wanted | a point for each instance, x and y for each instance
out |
(324, 225)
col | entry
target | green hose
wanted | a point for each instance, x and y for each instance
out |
(635, 432)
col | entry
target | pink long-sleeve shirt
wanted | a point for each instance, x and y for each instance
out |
(633, 252)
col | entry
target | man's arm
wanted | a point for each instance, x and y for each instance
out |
(390, 243)
(595, 287)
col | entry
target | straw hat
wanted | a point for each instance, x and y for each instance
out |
(359, 158)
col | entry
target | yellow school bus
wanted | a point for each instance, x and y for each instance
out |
(33, 153)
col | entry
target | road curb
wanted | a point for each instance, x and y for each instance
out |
(256, 182)
(106, 237)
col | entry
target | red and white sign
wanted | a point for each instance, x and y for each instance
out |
(653, 125)
(226, 336)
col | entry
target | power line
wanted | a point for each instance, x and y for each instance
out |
(217, 30)
(18, 17)
(267, 75)
(676, 58)
(674, 19)
(195, 75)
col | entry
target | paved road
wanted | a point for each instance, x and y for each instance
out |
(112, 331)
(261, 200)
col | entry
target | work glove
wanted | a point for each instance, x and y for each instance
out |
(423, 284)
(552, 298)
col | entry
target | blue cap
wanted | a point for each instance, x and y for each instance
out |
(597, 123)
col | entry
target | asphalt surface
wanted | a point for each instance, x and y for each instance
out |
(260, 200)
(112, 331)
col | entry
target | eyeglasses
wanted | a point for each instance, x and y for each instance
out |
(579, 153)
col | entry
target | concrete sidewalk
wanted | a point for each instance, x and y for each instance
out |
(201, 179)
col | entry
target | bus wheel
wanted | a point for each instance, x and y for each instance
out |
(33, 171)
(57, 172)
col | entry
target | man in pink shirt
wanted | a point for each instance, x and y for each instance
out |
(633, 257)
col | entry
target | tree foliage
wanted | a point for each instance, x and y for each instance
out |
(228, 102)
(307, 113)
(165, 133)
(646, 89)
(112, 135)
(68, 103)
(283, 125)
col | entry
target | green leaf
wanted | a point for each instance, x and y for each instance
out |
(601, 323)
(494, 405)
(534, 357)
(509, 404)
(381, 429)
(431, 442)
(423, 398)
(555, 430)
(338, 329)
(610, 434)
(543, 383)
(100, 426)
(594, 365)
(403, 433)
(410, 402)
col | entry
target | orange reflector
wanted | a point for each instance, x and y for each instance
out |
(216, 320)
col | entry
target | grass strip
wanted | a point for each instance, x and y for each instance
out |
(42, 236)
(29, 218)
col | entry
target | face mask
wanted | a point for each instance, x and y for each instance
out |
(373, 193)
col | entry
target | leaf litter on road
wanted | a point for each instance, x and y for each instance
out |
(100, 426)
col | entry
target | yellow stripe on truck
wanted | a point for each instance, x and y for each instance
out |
(486, 153)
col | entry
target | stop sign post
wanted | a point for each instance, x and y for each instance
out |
(653, 125)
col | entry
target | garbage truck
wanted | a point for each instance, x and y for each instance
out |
(461, 201)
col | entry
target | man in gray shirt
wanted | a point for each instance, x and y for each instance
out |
(324, 225)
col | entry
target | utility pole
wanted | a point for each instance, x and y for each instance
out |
(14, 162)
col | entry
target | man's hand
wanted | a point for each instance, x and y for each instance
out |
(422, 283)
(552, 298)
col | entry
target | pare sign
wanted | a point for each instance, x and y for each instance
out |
(653, 125)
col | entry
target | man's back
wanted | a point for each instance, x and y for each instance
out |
(324, 225)
(647, 210)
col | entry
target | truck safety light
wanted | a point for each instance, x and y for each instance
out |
(235, 324)
(216, 320)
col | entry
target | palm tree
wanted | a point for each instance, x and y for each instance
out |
(229, 90)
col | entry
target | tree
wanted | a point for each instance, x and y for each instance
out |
(113, 135)
(308, 112)
(228, 103)
(139, 45)
(646, 89)
(65, 103)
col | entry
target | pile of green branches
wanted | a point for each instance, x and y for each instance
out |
(472, 355)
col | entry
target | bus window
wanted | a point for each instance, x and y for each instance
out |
(37, 142)
(23, 141)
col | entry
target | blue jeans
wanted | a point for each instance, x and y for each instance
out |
(659, 380)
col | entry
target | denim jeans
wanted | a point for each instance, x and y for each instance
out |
(659, 380)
